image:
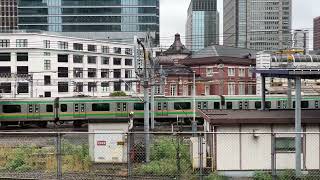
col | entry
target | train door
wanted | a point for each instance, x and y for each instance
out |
(79, 110)
(282, 104)
(122, 110)
(33, 111)
(163, 108)
(243, 105)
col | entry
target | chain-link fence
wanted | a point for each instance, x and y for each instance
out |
(210, 156)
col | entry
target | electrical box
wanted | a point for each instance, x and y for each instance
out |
(110, 147)
(197, 151)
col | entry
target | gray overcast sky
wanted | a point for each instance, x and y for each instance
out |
(173, 15)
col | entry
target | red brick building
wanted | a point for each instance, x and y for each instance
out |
(219, 70)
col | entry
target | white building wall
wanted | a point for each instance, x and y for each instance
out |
(228, 148)
(312, 148)
(36, 57)
(255, 148)
(235, 152)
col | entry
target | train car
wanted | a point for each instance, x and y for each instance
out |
(40, 111)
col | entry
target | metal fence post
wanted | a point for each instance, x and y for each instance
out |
(201, 156)
(273, 157)
(59, 157)
(129, 154)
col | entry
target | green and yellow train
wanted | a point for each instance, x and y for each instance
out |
(40, 111)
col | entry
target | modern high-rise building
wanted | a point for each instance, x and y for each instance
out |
(257, 24)
(316, 33)
(202, 27)
(8, 15)
(109, 19)
(300, 39)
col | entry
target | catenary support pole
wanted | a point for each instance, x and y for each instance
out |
(146, 104)
(298, 126)
(152, 96)
(263, 92)
(289, 103)
(194, 122)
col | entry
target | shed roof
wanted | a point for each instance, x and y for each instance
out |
(223, 117)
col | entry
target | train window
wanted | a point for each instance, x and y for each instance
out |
(316, 104)
(182, 105)
(159, 106)
(279, 104)
(304, 104)
(268, 104)
(124, 107)
(229, 105)
(257, 105)
(36, 108)
(11, 108)
(138, 106)
(101, 107)
(165, 106)
(63, 107)
(216, 105)
(205, 105)
(49, 108)
(30, 108)
(240, 105)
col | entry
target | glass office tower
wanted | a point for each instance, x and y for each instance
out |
(99, 19)
(257, 24)
(202, 27)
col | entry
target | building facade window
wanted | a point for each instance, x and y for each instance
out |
(78, 72)
(242, 72)
(128, 62)
(92, 72)
(4, 43)
(92, 59)
(242, 88)
(105, 86)
(47, 80)
(92, 48)
(22, 43)
(77, 58)
(62, 45)
(46, 54)
(173, 89)
(22, 56)
(117, 73)
(157, 89)
(128, 51)
(46, 44)
(207, 90)
(231, 71)
(128, 86)
(117, 50)
(92, 86)
(249, 73)
(209, 72)
(22, 70)
(5, 56)
(231, 88)
(117, 61)
(117, 86)
(63, 72)
(104, 73)
(63, 87)
(5, 87)
(128, 73)
(77, 46)
(105, 49)
(63, 58)
(23, 87)
(105, 60)
(78, 87)
(47, 64)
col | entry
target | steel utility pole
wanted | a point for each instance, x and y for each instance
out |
(194, 123)
(152, 76)
(146, 103)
